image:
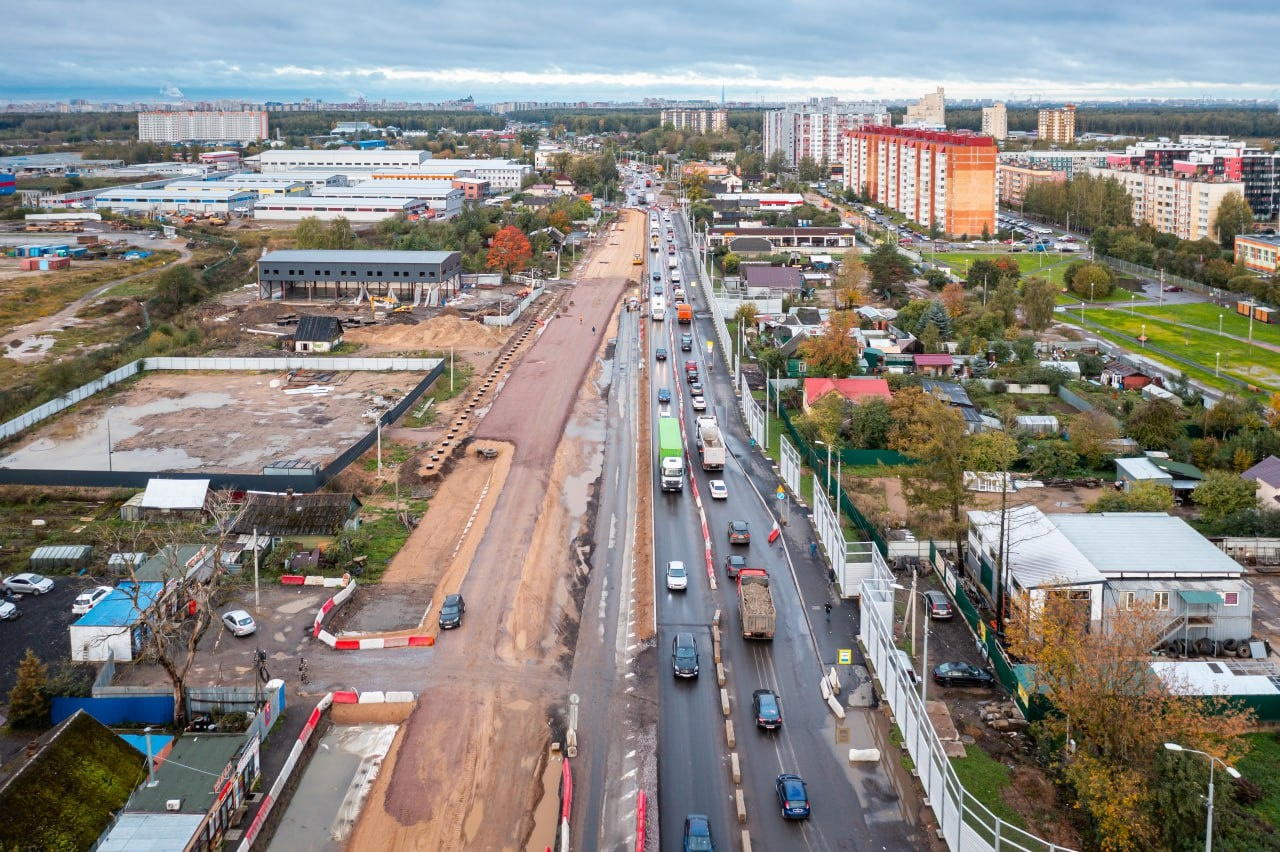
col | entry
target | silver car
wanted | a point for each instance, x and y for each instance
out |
(239, 623)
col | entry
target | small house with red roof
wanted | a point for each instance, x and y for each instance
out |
(934, 364)
(855, 390)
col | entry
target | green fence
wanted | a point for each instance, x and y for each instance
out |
(818, 463)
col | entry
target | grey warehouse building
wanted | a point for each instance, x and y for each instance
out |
(413, 277)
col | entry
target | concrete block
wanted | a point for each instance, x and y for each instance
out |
(740, 803)
(833, 678)
(864, 755)
(746, 841)
(728, 733)
(720, 674)
(715, 632)
(715, 619)
(735, 768)
(835, 706)
(724, 701)
(825, 689)
(715, 651)
(373, 698)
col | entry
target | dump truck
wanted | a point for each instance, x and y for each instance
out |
(710, 444)
(684, 313)
(670, 454)
(755, 604)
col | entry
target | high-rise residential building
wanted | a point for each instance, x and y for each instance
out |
(932, 177)
(1013, 181)
(1185, 205)
(930, 110)
(1057, 125)
(696, 120)
(995, 121)
(202, 126)
(816, 128)
(1071, 162)
(1212, 156)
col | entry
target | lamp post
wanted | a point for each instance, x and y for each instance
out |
(924, 652)
(1217, 359)
(828, 469)
(1213, 761)
(1219, 323)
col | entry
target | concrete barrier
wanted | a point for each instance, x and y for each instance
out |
(715, 619)
(728, 733)
(864, 755)
(735, 768)
(740, 804)
(836, 707)
(746, 841)
(825, 689)
(833, 678)
(724, 701)
(720, 677)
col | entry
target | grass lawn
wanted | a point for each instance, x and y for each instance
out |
(1205, 315)
(1262, 767)
(1253, 364)
(985, 779)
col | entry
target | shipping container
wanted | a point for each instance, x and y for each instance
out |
(1244, 308)
(1262, 313)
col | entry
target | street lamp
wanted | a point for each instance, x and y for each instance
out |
(1213, 761)
(924, 653)
(1219, 323)
(1217, 358)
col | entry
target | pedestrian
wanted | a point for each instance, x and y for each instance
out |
(304, 671)
(593, 329)
(579, 319)
(827, 606)
(813, 550)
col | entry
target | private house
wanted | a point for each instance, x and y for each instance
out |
(178, 562)
(1122, 376)
(931, 364)
(854, 390)
(202, 783)
(317, 334)
(115, 628)
(1266, 475)
(1181, 477)
(954, 395)
(1113, 562)
(313, 520)
(766, 277)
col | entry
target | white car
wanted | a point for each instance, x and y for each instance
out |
(718, 489)
(699, 403)
(677, 577)
(239, 622)
(28, 584)
(89, 598)
(8, 611)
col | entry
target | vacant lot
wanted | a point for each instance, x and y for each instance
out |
(1047, 264)
(209, 421)
(1204, 316)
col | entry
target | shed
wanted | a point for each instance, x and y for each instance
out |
(940, 364)
(294, 516)
(1141, 469)
(1038, 424)
(317, 334)
(770, 277)
(51, 557)
(174, 497)
(111, 629)
(291, 467)
(180, 562)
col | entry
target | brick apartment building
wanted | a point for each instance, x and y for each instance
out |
(1057, 125)
(1013, 181)
(930, 176)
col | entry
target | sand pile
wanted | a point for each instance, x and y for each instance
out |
(439, 332)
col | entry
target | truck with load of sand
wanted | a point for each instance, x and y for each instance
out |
(711, 444)
(755, 604)
(670, 454)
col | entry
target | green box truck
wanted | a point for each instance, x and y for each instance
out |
(670, 454)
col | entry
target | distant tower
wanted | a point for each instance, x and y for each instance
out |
(722, 94)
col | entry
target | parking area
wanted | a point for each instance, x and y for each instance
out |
(42, 626)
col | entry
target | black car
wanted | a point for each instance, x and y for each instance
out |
(962, 674)
(739, 532)
(684, 655)
(686, 342)
(767, 708)
(697, 834)
(734, 564)
(793, 796)
(657, 276)
(451, 611)
(660, 353)
(664, 394)
(937, 605)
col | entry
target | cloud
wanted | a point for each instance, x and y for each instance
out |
(565, 49)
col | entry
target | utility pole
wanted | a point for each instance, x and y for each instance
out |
(1000, 550)
(257, 601)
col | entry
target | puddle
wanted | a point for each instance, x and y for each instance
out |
(30, 348)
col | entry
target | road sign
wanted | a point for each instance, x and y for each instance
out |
(711, 345)
(781, 493)
(844, 656)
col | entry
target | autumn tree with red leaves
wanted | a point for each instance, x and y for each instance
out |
(510, 250)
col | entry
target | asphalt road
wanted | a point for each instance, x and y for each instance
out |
(852, 808)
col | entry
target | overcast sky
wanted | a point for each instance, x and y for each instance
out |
(558, 49)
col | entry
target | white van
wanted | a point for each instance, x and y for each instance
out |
(658, 309)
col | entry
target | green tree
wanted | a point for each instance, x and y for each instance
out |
(990, 451)
(176, 288)
(776, 163)
(1089, 432)
(730, 263)
(1091, 281)
(1039, 296)
(1155, 424)
(1234, 217)
(309, 233)
(869, 424)
(1005, 301)
(930, 339)
(808, 169)
(826, 419)
(1231, 414)
(1052, 459)
(936, 315)
(1143, 496)
(933, 433)
(1222, 492)
(889, 269)
(29, 700)
(771, 360)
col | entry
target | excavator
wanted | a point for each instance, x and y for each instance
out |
(388, 303)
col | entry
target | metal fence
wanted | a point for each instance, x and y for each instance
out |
(966, 824)
(521, 306)
(1154, 274)
(43, 412)
(789, 462)
(851, 561)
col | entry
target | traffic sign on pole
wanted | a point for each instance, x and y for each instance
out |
(844, 656)
(781, 493)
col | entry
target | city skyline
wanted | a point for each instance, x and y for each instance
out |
(886, 51)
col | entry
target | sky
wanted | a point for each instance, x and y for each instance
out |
(426, 50)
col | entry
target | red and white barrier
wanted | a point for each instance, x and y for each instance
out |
(331, 604)
(642, 815)
(367, 643)
(566, 803)
(313, 580)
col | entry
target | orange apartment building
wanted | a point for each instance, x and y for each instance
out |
(938, 177)
(1013, 181)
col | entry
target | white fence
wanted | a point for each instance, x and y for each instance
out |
(851, 562)
(510, 318)
(291, 362)
(756, 426)
(967, 825)
(790, 465)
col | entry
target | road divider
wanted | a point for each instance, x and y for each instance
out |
(642, 815)
(728, 733)
(740, 804)
(735, 768)
(724, 701)
(566, 803)
(864, 755)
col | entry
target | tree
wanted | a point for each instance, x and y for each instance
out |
(1039, 297)
(1272, 413)
(851, 282)
(869, 424)
(1112, 713)
(935, 315)
(29, 700)
(834, 352)
(1144, 496)
(990, 451)
(1155, 424)
(1231, 414)
(1052, 459)
(776, 163)
(808, 169)
(1091, 281)
(771, 360)
(1221, 493)
(933, 433)
(952, 297)
(1005, 301)
(176, 288)
(510, 250)
(730, 263)
(1089, 432)
(746, 314)
(1234, 217)
(309, 233)
(826, 419)
(930, 339)
(889, 268)
(695, 184)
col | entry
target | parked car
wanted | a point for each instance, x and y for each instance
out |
(677, 576)
(767, 708)
(684, 655)
(734, 564)
(664, 394)
(27, 583)
(660, 353)
(717, 489)
(793, 796)
(697, 834)
(90, 598)
(451, 611)
(1172, 288)
(9, 611)
(937, 605)
(962, 674)
(739, 532)
(700, 404)
(239, 623)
